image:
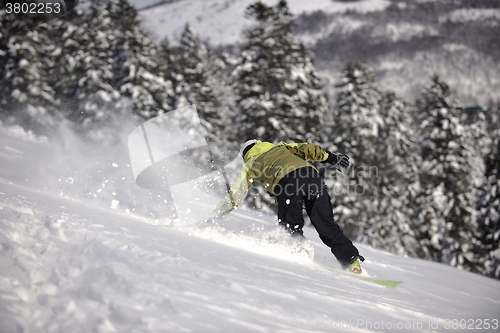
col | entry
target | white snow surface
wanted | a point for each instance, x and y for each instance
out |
(221, 22)
(76, 263)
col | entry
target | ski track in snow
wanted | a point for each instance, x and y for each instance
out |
(68, 265)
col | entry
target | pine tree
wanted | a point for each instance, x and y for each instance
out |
(493, 117)
(191, 68)
(279, 94)
(357, 122)
(489, 212)
(26, 97)
(476, 121)
(105, 60)
(357, 113)
(141, 75)
(389, 225)
(374, 197)
(67, 57)
(446, 215)
(83, 73)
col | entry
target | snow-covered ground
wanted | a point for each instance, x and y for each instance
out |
(470, 71)
(72, 259)
(221, 22)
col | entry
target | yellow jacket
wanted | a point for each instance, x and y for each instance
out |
(268, 163)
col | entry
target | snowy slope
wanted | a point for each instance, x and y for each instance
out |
(406, 42)
(73, 263)
(221, 22)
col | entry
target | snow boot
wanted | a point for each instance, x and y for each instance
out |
(355, 265)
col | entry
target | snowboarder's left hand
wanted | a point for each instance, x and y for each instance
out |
(343, 161)
(340, 160)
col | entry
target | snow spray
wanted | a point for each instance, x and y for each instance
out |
(171, 153)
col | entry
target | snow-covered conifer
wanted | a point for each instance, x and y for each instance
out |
(389, 224)
(489, 212)
(357, 122)
(447, 200)
(105, 57)
(191, 64)
(279, 94)
(26, 96)
(83, 73)
(140, 73)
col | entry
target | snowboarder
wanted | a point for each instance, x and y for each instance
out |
(283, 170)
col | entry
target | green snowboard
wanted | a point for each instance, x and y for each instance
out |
(387, 283)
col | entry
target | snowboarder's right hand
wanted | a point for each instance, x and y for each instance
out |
(224, 207)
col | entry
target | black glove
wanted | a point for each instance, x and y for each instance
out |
(340, 160)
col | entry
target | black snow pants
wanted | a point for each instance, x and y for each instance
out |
(305, 186)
